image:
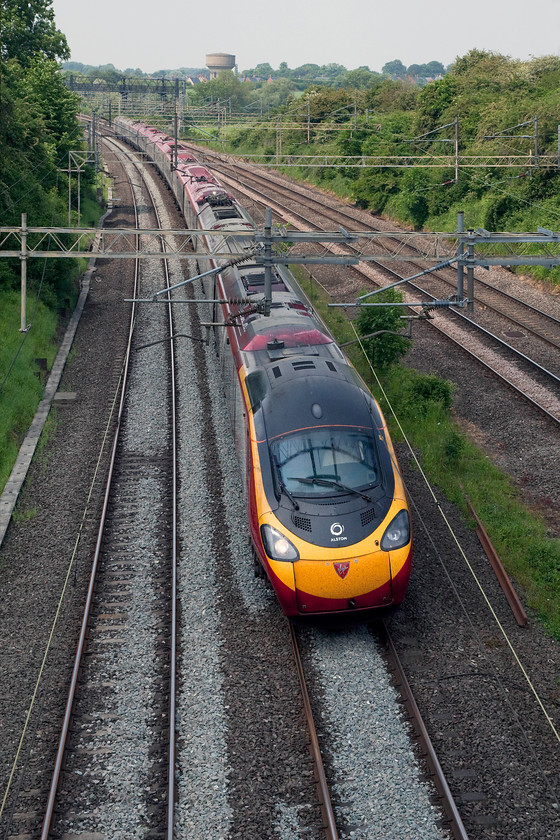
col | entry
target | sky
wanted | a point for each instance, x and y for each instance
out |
(142, 34)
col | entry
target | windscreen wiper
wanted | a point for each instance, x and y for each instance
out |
(281, 486)
(327, 482)
(285, 490)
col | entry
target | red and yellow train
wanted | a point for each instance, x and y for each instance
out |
(326, 503)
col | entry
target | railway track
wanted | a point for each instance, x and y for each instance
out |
(129, 617)
(520, 313)
(57, 558)
(263, 741)
(534, 379)
(450, 813)
(236, 675)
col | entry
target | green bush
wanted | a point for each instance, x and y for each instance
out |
(387, 347)
(424, 392)
(454, 447)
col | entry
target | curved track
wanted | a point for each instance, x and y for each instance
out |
(240, 667)
(537, 384)
(107, 619)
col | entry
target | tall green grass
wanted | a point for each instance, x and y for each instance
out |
(21, 385)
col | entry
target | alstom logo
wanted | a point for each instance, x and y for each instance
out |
(337, 530)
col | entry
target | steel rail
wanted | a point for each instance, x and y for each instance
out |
(499, 376)
(450, 809)
(173, 631)
(479, 329)
(501, 574)
(173, 639)
(390, 235)
(320, 776)
(89, 597)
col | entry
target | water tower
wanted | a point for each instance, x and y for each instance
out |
(216, 62)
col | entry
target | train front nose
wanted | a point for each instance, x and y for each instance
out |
(356, 583)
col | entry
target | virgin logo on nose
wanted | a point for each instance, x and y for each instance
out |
(341, 569)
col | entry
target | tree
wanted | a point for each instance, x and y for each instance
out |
(412, 199)
(387, 95)
(386, 348)
(307, 71)
(133, 71)
(394, 68)
(362, 78)
(38, 126)
(433, 69)
(263, 71)
(325, 103)
(434, 102)
(225, 86)
(29, 31)
(55, 106)
(106, 72)
(463, 64)
(274, 94)
(333, 71)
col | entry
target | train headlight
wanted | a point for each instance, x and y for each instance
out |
(277, 546)
(398, 533)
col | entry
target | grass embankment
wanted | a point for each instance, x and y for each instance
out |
(21, 378)
(459, 468)
(21, 384)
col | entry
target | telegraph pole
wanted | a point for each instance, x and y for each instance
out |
(470, 275)
(23, 328)
(94, 138)
(460, 252)
(536, 142)
(456, 149)
(175, 126)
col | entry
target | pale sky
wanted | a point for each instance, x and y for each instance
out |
(175, 33)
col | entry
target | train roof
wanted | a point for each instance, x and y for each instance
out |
(309, 391)
(294, 367)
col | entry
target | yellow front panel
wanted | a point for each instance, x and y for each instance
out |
(363, 574)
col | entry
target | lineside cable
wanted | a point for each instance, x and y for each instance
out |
(465, 558)
(64, 587)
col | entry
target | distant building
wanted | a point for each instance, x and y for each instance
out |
(217, 62)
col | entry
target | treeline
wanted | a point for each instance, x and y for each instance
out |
(415, 72)
(38, 128)
(110, 73)
(333, 75)
(336, 75)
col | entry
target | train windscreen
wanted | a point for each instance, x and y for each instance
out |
(326, 461)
